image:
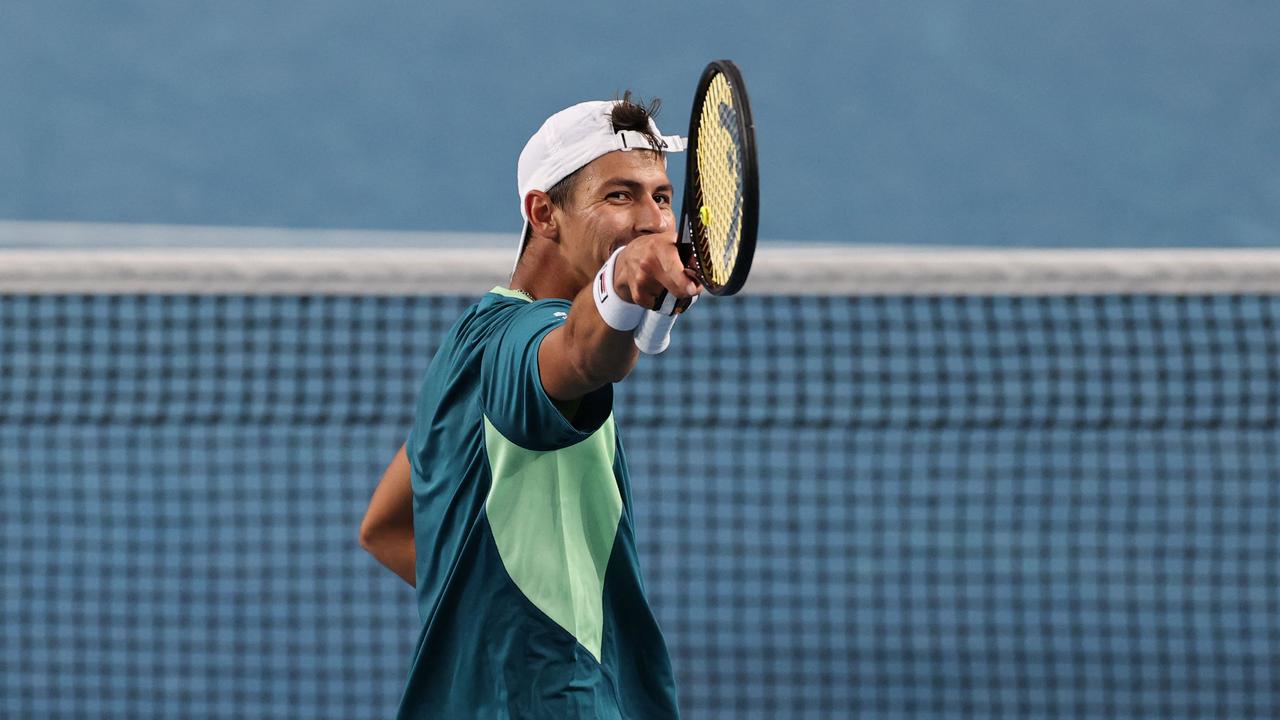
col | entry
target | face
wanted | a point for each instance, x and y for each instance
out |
(617, 197)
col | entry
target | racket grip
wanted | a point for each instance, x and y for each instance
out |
(653, 334)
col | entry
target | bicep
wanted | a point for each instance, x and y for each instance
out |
(532, 376)
(560, 370)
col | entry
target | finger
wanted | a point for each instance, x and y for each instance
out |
(655, 269)
(678, 284)
(654, 289)
(661, 298)
(677, 278)
(668, 237)
(649, 292)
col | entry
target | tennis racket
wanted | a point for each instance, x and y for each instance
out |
(719, 212)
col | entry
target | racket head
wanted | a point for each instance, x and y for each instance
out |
(721, 202)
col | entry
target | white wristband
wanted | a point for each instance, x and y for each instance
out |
(617, 313)
(654, 333)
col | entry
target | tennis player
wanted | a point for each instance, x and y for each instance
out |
(509, 506)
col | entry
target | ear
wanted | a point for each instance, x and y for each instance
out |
(541, 213)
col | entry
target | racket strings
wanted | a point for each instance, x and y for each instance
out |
(718, 194)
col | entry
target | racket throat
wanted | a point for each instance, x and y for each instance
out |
(685, 246)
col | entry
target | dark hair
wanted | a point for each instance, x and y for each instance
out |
(629, 113)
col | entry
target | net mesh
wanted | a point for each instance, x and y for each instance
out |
(884, 506)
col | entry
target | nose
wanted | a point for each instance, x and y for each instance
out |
(650, 216)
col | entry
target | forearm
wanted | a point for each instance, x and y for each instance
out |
(586, 352)
(397, 553)
(386, 531)
(601, 354)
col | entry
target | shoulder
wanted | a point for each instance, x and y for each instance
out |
(512, 396)
(522, 316)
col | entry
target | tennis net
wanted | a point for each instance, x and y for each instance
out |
(898, 484)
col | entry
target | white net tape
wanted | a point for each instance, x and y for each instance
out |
(136, 259)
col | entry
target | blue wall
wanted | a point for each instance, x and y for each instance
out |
(1092, 122)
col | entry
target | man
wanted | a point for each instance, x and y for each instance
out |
(513, 474)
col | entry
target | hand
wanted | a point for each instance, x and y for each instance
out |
(649, 266)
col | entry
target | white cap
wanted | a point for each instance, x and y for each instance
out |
(572, 138)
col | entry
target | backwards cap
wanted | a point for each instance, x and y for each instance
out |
(572, 138)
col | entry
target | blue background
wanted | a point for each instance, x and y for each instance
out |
(1089, 123)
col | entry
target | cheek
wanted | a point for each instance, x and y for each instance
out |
(603, 230)
(581, 243)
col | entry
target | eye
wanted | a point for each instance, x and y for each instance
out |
(618, 195)
(662, 199)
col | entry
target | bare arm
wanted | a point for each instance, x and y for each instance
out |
(585, 354)
(387, 529)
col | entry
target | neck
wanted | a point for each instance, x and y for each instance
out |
(543, 272)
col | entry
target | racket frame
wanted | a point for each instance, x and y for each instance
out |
(691, 220)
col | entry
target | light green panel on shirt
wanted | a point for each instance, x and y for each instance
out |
(554, 517)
